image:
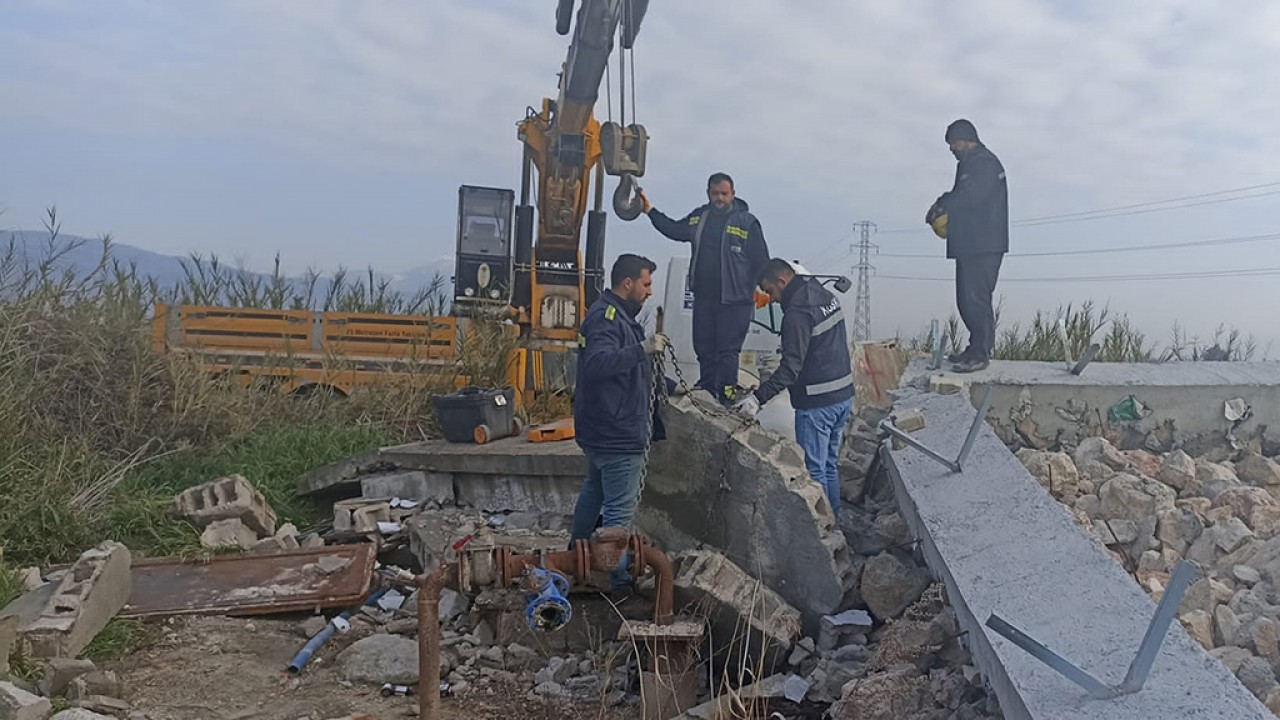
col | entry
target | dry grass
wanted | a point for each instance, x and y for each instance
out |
(97, 431)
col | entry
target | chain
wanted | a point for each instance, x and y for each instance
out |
(657, 395)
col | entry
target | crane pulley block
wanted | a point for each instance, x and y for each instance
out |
(622, 149)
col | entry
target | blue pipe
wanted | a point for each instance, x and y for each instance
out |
(303, 657)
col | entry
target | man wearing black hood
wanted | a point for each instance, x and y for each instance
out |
(728, 253)
(977, 230)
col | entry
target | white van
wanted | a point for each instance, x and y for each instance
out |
(760, 352)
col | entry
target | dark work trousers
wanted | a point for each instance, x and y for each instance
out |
(976, 277)
(718, 333)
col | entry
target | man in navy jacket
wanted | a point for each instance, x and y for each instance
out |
(977, 209)
(614, 415)
(728, 252)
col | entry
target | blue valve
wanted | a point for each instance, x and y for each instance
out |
(549, 607)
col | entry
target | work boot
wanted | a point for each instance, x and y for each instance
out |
(969, 365)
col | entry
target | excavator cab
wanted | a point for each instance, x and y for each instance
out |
(482, 275)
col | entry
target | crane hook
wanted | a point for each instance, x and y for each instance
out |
(626, 199)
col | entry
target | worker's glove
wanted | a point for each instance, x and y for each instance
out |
(748, 406)
(645, 205)
(656, 344)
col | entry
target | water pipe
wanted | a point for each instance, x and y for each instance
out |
(304, 655)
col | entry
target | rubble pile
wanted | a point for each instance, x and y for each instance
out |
(1219, 510)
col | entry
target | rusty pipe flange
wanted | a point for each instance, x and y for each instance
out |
(636, 544)
(582, 550)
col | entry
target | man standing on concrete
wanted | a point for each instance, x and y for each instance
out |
(728, 252)
(974, 217)
(613, 416)
(815, 368)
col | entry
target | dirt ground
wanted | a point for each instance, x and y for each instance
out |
(216, 668)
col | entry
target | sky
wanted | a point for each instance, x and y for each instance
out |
(336, 132)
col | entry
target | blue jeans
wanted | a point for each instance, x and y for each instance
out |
(818, 431)
(611, 489)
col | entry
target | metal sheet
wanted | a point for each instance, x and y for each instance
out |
(249, 584)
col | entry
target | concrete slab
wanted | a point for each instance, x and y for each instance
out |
(61, 617)
(508, 456)
(745, 492)
(1001, 544)
(1045, 403)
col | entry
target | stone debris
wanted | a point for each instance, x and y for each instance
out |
(18, 704)
(381, 658)
(1221, 512)
(59, 618)
(228, 533)
(59, 672)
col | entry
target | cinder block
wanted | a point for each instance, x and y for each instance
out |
(231, 497)
(360, 515)
(415, 485)
(59, 672)
(83, 601)
(945, 385)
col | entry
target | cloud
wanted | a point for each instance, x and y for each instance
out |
(826, 112)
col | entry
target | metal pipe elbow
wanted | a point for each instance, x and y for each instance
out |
(664, 580)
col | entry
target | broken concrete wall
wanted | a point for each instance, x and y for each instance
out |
(733, 601)
(61, 617)
(767, 516)
(1042, 406)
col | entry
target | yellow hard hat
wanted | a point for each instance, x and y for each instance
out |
(937, 219)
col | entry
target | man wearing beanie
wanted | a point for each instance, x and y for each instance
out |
(977, 227)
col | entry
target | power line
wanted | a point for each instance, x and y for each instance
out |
(1209, 198)
(1216, 242)
(1154, 202)
(1243, 272)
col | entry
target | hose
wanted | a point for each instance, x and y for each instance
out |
(304, 655)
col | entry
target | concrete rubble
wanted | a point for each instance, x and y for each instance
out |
(61, 616)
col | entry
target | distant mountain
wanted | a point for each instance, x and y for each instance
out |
(82, 255)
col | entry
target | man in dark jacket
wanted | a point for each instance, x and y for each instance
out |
(728, 252)
(977, 210)
(612, 403)
(815, 369)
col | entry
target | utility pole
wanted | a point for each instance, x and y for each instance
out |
(862, 306)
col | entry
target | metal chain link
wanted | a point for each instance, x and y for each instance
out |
(658, 394)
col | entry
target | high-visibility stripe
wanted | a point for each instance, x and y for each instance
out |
(610, 312)
(835, 318)
(735, 230)
(694, 220)
(826, 387)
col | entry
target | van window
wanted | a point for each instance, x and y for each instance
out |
(769, 317)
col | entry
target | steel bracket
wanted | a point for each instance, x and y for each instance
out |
(1139, 669)
(1075, 367)
(956, 465)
